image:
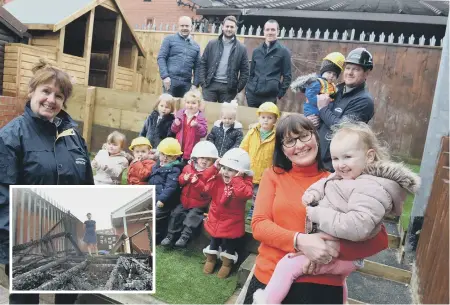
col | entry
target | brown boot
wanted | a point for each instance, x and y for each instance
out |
(228, 261)
(211, 260)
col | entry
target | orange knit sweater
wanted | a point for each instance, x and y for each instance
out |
(279, 214)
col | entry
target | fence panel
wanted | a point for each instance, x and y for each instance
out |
(432, 259)
(34, 214)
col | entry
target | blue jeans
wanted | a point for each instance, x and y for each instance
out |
(178, 88)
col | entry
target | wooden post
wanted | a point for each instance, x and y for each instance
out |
(35, 230)
(60, 48)
(18, 73)
(29, 218)
(88, 44)
(40, 224)
(22, 213)
(116, 50)
(89, 115)
(15, 210)
(45, 218)
(134, 62)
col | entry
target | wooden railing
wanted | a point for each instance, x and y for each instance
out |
(20, 59)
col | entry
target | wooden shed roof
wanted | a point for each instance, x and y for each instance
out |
(52, 15)
(12, 23)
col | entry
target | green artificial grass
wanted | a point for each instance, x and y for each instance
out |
(180, 279)
(407, 207)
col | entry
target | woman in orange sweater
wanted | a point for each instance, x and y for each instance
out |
(279, 219)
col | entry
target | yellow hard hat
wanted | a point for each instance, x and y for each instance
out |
(269, 107)
(170, 147)
(336, 58)
(140, 141)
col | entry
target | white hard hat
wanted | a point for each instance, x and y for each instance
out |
(237, 159)
(205, 149)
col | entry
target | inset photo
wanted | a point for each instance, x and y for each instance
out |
(82, 238)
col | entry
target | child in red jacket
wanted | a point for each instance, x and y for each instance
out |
(229, 188)
(190, 124)
(188, 215)
(142, 164)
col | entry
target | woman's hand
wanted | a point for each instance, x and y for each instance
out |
(159, 204)
(333, 244)
(186, 176)
(177, 122)
(315, 248)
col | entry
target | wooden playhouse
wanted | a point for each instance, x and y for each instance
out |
(89, 39)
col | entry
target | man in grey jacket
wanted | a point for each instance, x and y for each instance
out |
(178, 59)
(224, 65)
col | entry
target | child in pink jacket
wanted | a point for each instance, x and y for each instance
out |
(349, 204)
(190, 124)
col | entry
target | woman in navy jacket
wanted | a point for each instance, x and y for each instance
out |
(42, 147)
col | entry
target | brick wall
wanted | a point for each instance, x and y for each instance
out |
(165, 11)
(10, 107)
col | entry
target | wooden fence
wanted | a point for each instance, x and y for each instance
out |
(101, 110)
(432, 258)
(402, 81)
(34, 214)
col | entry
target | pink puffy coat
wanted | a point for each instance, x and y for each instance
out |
(354, 209)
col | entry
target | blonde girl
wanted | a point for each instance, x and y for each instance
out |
(157, 125)
(111, 160)
(190, 124)
(349, 204)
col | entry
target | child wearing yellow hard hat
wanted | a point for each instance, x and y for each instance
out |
(259, 142)
(323, 83)
(164, 177)
(142, 164)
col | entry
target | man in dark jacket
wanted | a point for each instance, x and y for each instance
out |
(224, 65)
(352, 101)
(178, 57)
(270, 71)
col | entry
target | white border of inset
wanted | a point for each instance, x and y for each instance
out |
(153, 291)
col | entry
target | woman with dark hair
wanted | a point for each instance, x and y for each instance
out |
(42, 147)
(279, 219)
(90, 236)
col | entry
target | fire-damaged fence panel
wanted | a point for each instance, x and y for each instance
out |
(36, 216)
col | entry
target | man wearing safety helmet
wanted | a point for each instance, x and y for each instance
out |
(352, 101)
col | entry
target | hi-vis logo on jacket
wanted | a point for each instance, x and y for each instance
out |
(80, 161)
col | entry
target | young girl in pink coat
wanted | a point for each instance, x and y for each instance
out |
(190, 124)
(349, 204)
